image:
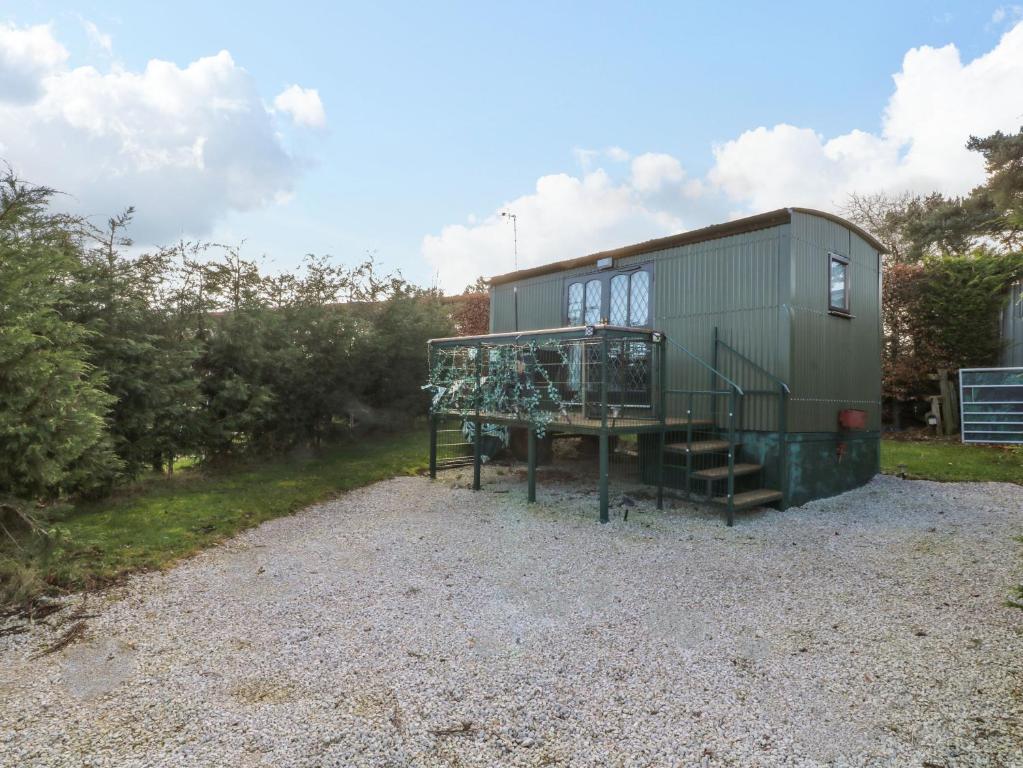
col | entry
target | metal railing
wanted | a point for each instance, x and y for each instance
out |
(600, 380)
(781, 391)
(735, 393)
(597, 379)
(578, 377)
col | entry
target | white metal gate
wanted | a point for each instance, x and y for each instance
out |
(991, 400)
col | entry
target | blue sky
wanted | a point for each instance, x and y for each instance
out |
(436, 113)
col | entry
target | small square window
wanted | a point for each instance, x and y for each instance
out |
(838, 283)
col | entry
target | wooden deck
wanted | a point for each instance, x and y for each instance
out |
(579, 424)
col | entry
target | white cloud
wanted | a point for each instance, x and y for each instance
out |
(937, 103)
(1011, 13)
(617, 154)
(587, 157)
(565, 216)
(27, 57)
(98, 37)
(184, 145)
(303, 104)
(653, 171)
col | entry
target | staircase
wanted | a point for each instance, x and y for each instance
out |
(709, 455)
(705, 462)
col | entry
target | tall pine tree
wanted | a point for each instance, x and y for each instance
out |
(53, 409)
(148, 367)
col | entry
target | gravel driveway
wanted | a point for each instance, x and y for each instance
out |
(413, 623)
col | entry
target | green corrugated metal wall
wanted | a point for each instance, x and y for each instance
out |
(766, 292)
(733, 284)
(836, 360)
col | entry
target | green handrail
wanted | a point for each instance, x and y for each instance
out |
(783, 394)
(756, 365)
(735, 395)
(735, 387)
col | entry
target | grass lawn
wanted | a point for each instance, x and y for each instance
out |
(952, 461)
(162, 519)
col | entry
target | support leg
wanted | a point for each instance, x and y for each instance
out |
(660, 470)
(433, 447)
(477, 455)
(603, 476)
(731, 486)
(531, 467)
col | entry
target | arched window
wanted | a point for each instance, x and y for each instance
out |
(593, 302)
(619, 298)
(639, 298)
(575, 304)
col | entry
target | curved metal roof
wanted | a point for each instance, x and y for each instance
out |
(739, 226)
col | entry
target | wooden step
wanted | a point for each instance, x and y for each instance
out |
(698, 446)
(682, 421)
(721, 473)
(756, 498)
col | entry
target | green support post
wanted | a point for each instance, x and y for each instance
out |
(604, 517)
(689, 448)
(433, 421)
(731, 459)
(478, 431)
(663, 404)
(433, 447)
(477, 455)
(783, 448)
(531, 467)
(603, 431)
(714, 377)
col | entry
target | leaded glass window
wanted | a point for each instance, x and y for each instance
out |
(592, 311)
(575, 304)
(575, 368)
(639, 298)
(617, 297)
(619, 300)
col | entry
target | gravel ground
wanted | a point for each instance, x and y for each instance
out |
(418, 623)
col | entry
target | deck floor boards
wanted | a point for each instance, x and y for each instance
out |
(577, 423)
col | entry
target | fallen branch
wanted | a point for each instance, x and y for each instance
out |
(465, 727)
(75, 633)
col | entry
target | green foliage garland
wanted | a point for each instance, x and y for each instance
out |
(512, 382)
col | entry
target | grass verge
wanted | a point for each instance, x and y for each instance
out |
(161, 519)
(950, 461)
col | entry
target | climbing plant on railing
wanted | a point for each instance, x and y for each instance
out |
(512, 381)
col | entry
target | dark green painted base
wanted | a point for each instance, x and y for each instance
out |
(814, 468)
(819, 467)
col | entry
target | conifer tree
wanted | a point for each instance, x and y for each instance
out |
(53, 408)
(149, 369)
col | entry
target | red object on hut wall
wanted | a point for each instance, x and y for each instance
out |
(852, 418)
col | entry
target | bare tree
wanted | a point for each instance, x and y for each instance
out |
(884, 216)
